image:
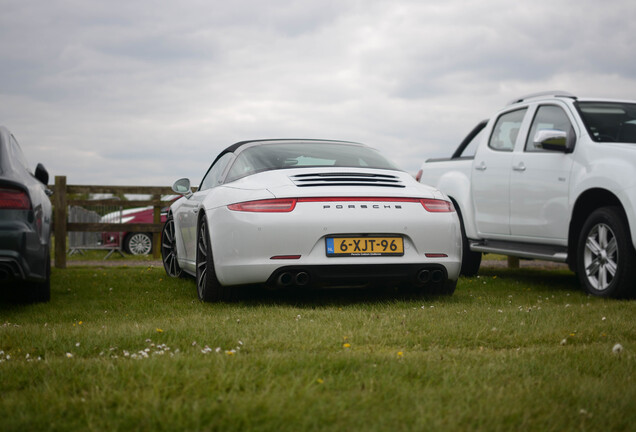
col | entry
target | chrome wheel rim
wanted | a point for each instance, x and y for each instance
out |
(600, 257)
(140, 244)
(202, 259)
(169, 250)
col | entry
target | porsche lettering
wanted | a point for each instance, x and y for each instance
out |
(362, 206)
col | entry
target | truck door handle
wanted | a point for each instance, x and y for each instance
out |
(519, 167)
(481, 166)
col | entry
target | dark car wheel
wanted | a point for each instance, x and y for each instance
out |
(40, 292)
(471, 261)
(447, 288)
(606, 260)
(169, 249)
(208, 287)
(138, 243)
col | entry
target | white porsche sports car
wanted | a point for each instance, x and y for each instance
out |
(310, 213)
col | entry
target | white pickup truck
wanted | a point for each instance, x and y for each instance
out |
(550, 177)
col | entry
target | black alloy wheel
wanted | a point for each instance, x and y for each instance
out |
(208, 287)
(169, 249)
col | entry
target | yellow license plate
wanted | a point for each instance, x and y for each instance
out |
(364, 246)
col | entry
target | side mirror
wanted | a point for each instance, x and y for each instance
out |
(42, 174)
(182, 187)
(553, 140)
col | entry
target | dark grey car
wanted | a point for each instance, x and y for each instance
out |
(25, 224)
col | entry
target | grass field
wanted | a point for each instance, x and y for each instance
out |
(129, 349)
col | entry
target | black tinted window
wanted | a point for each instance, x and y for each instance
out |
(609, 121)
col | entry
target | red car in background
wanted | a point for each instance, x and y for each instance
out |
(135, 243)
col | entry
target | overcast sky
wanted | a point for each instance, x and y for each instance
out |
(144, 92)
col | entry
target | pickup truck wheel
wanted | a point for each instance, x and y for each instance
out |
(470, 260)
(605, 257)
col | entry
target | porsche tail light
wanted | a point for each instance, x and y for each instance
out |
(437, 206)
(361, 199)
(286, 205)
(280, 205)
(14, 199)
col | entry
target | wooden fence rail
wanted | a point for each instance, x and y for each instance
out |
(62, 201)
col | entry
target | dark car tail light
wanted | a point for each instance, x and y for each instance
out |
(437, 206)
(281, 205)
(14, 199)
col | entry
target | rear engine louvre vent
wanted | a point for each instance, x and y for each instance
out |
(346, 179)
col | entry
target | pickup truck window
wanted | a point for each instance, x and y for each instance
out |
(609, 121)
(547, 117)
(504, 134)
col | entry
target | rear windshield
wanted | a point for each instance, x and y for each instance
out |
(609, 121)
(267, 157)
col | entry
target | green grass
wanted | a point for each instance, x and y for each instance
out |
(130, 349)
(100, 254)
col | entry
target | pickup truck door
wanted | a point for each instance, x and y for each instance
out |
(491, 175)
(540, 180)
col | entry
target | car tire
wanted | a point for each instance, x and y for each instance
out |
(169, 249)
(208, 287)
(40, 292)
(138, 243)
(471, 261)
(606, 260)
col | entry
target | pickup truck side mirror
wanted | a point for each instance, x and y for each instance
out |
(553, 140)
(182, 187)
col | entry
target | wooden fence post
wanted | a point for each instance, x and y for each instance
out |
(513, 262)
(60, 222)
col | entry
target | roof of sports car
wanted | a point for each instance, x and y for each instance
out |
(236, 146)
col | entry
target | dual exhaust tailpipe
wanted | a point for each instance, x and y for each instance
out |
(426, 276)
(286, 279)
(301, 278)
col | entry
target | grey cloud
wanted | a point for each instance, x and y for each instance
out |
(144, 92)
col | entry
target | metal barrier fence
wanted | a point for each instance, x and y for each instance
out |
(78, 241)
